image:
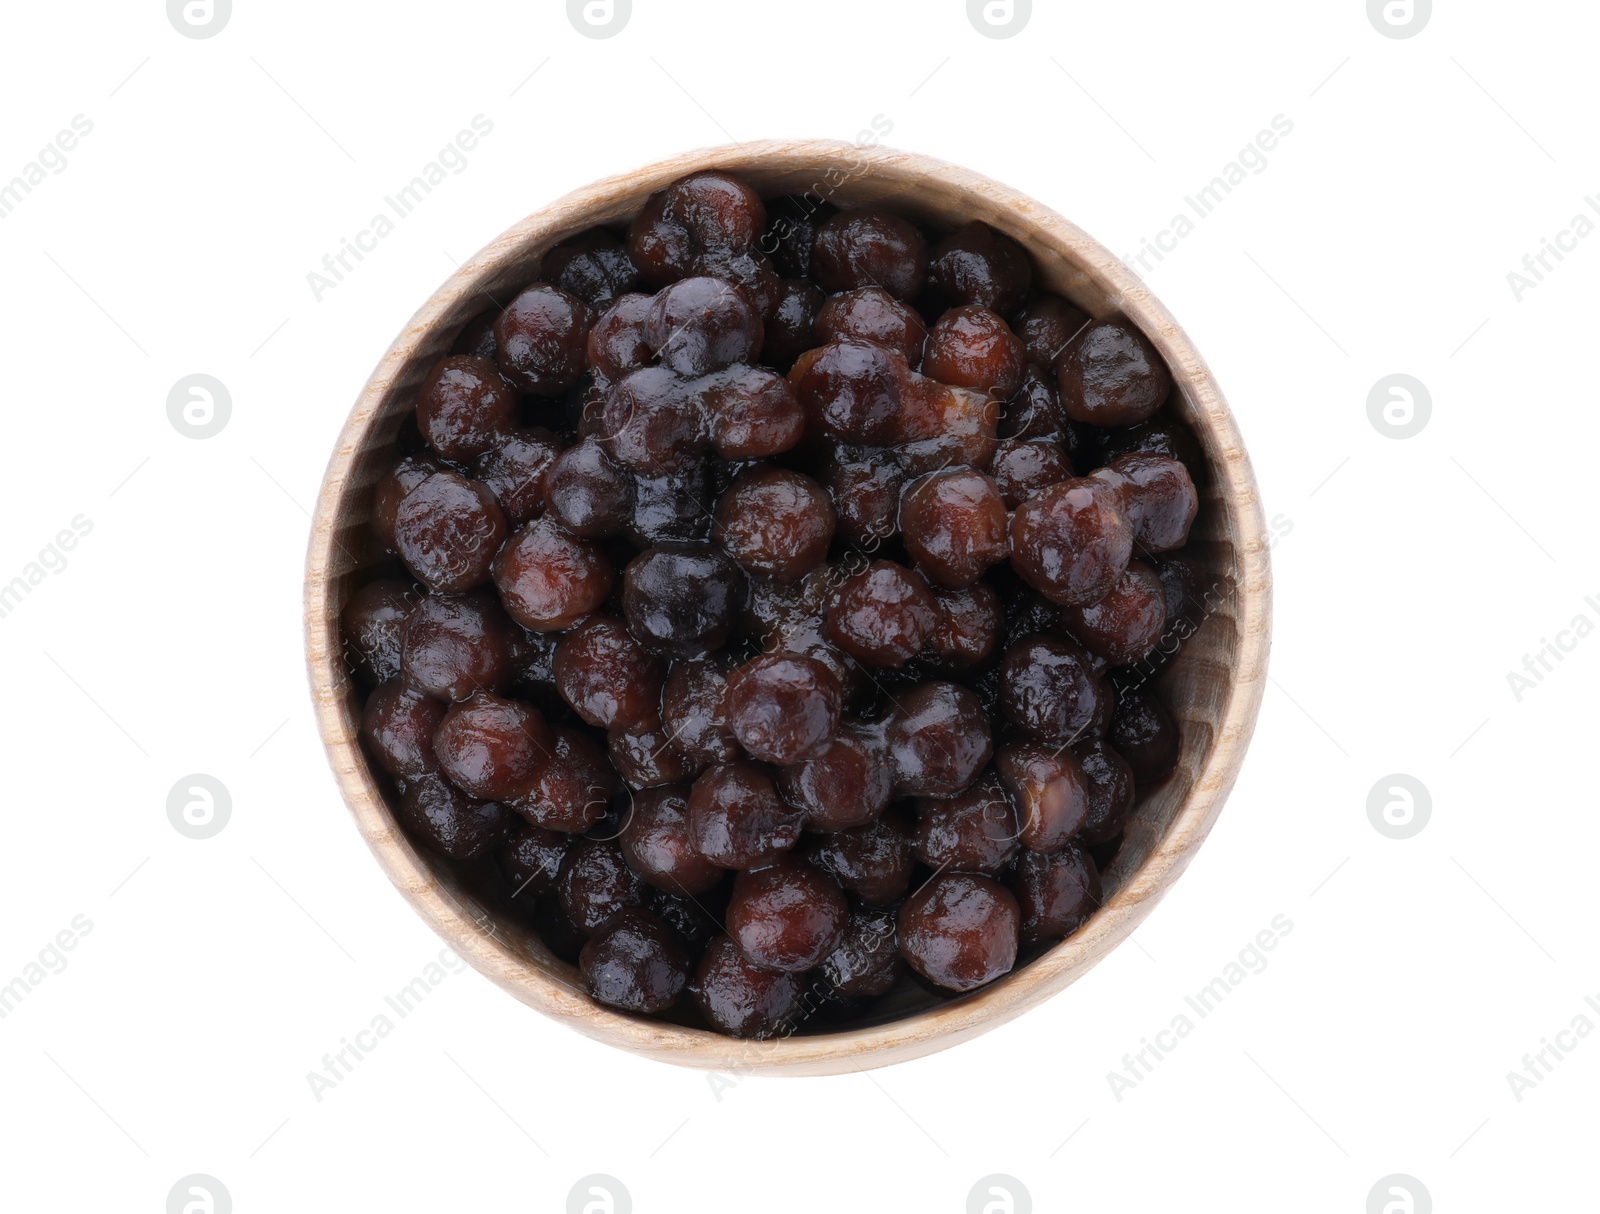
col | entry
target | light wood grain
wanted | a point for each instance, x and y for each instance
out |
(1215, 688)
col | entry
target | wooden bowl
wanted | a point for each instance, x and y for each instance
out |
(1214, 688)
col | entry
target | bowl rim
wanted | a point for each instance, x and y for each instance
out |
(850, 1049)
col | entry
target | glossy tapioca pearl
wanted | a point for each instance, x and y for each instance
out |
(775, 522)
(616, 342)
(515, 471)
(587, 493)
(677, 226)
(1072, 541)
(1024, 467)
(397, 728)
(493, 748)
(847, 785)
(635, 963)
(775, 608)
(574, 791)
(743, 1000)
(592, 265)
(870, 248)
(977, 265)
(477, 336)
(530, 861)
(954, 524)
(696, 918)
(699, 325)
(406, 474)
(791, 328)
(736, 819)
(875, 862)
(449, 822)
(871, 314)
(866, 961)
(465, 406)
(783, 707)
(975, 831)
(792, 223)
(694, 712)
(749, 412)
(657, 845)
(681, 600)
(452, 645)
(447, 531)
(1163, 434)
(748, 269)
(1125, 624)
(548, 578)
(652, 421)
(1047, 327)
(969, 626)
(671, 507)
(541, 339)
(1112, 376)
(370, 624)
(645, 755)
(960, 930)
(787, 916)
(1111, 790)
(851, 391)
(943, 426)
(1050, 688)
(938, 739)
(1158, 497)
(596, 883)
(882, 615)
(865, 485)
(974, 348)
(606, 675)
(1144, 733)
(1050, 791)
(1055, 894)
(1034, 409)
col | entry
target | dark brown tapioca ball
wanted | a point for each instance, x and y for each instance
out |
(670, 507)
(652, 422)
(1144, 733)
(882, 615)
(743, 1000)
(748, 269)
(791, 329)
(1188, 588)
(465, 406)
(449, 822)
(871, 314)
(1163, 434)
(447, 531)
(954, 524)
(477, 336)
(737, 819)
(1034, 410)
(1050, 790)
(851, 391)
(1072, 541)
(1024, 467)
(1049, 688)
(776, 522)
(697, 919)
(792, 223)
(616, 342)
(397, 727)
(606, 675)
(751, 412)
(493, 748)
(635, 962)
(943, 426)
(866, 961)
(865, 485)
(370, 624)
(541, 339)
(977, 265)
(938, 739)
(783, 707)
(643, 752)
(588, 494)
(810, 639)
(870, 248)
(1158, 497)
(452, 645)
(1055, 894)
(408, 472)
(548, 578)
(700, 212)
(655, 839)
(774, 609)
(874, 862)
(596, 883)
(693, 709)
(975, 831)
(968, 628)
(1111, 790)
(1047, 327)
(699, 325)
(974, 348)
(530, 861)
(1112, 376)
(1126, 623)
(960, 930)
(575, 789)
(516, 471)
(682, 599)
(592, 265)
(786, 916)
(847, 785)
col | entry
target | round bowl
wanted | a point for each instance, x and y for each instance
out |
(1214, 688)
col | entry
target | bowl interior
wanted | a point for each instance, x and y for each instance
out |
(1213, 688)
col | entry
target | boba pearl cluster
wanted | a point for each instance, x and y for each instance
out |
(772, 604)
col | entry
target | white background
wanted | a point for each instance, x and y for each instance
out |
(1411, 576)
